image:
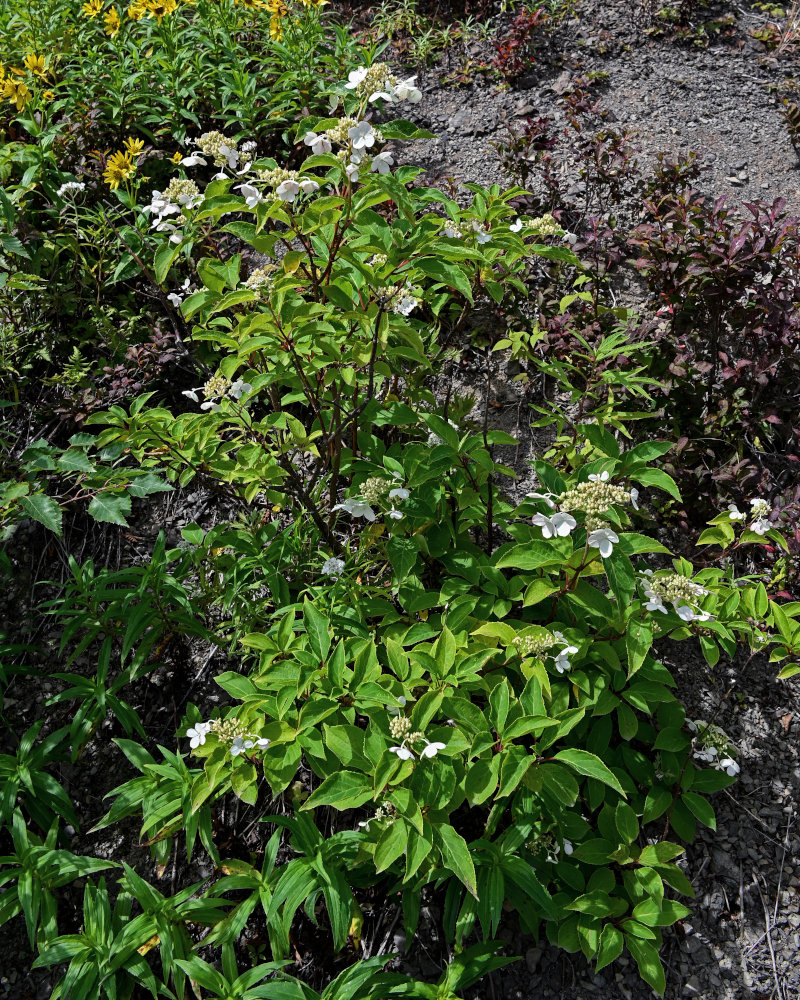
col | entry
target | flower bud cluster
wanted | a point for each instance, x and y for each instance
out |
(374, 78)
(218, 147)
(594, 498)
(338, 132)
(276, 177)
(400, 729)
(534, 645)
(260, 279)
(678, 590)
(545, 225)
(374, 488)
(183, 191)
(399, 300)
(385, 811)
(217, 386)
(377, 260)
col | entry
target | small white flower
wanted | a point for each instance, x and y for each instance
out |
(333, 566)
(558, 525)
(654, 603)
(599, 477)
(561, 659)
(239, 745)
(603, 539)
(262, 742)
(210, 405)
(355, 77)
(399, 493)
(481, 234)
(239, 388)
(568, 847)
(547, 497)
(308, 185)
(431, 749)
(729, 766)
(684, 612)
(395, 515)
(382, 163)
(191, 394)
(287, 190)
(517, 227)
(434, 440)
(195, 160)
(402, 701)
(406, 90)
(706, 754)
(356, 508)
(402, 752)
(197, 734)
(231, 155)
(318, 143)
(735, 514)
(761, 526)
(635, 498)
(251, 195)
(352, 172)
(362, 135)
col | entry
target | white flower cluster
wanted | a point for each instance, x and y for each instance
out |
(679, 591)
(593, 497)
(400, 301)
(712, 746)
(70, 188)
(221, 150)
(372, 491)
(176, 298)
(547, 844)
(400, 729)
(229, 731)
(333, 566)
(535, 645)
(385, 811)
(759, 511)
(458, 231)
(261, 279)
(180, 194)
(376, 82)
(218, 387)
(288, 185)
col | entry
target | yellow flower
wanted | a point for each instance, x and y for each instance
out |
(48, 95)
(276, 28)
(112, 22)
(133, 146)
(16, 92)
(159, 9)
(278, 7)
(137, 10)
(176, 157)
(92, 8)
(251, 4)
(119, 167)
(35, 64)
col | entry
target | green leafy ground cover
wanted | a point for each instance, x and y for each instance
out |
(437, 690)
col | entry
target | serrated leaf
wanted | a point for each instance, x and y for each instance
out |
(43, 509)
(112, 508)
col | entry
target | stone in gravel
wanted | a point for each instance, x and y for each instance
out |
(532, 958)
(691, 987)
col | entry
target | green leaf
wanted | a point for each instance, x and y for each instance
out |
(44, 509)
(646, 956)
(111, 507)
(610, 946)
(391, 844)
(342, 790)
(457, 857)
(164, 258)
(700, 808)
(626, 822)
(317, 628)
(587, 763)
(638, 641)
